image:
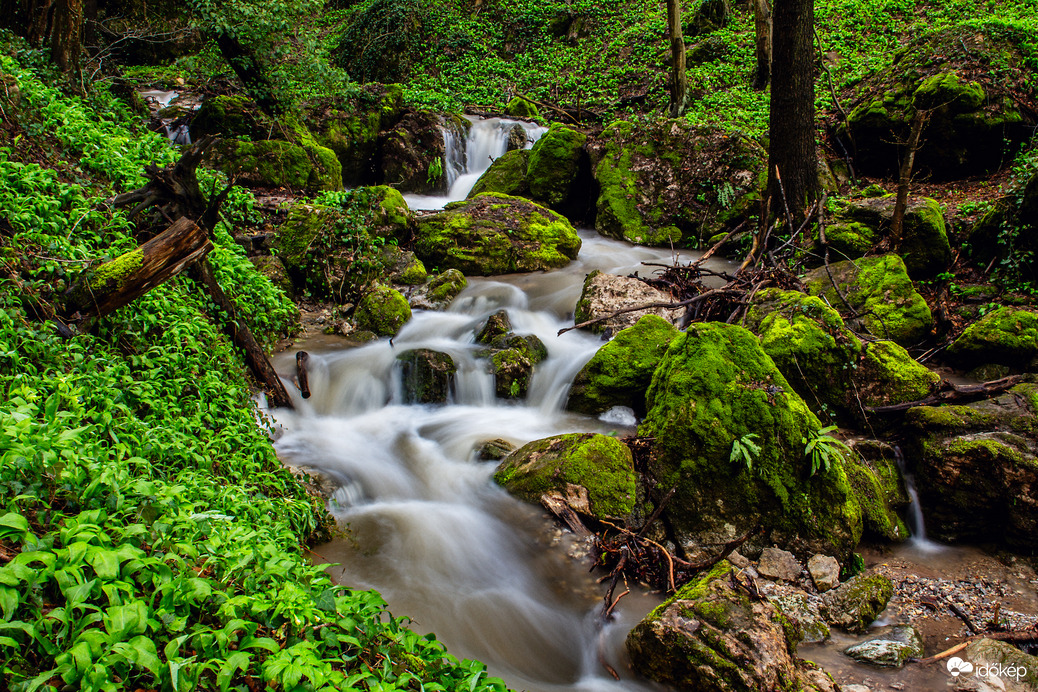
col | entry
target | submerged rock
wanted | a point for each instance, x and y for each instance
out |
(856, 603)
(604, 294)
(493, 233)
(716, 387)
(711, 637)
(892, 649)
(427, 376)
(382, 310)
(620, 371)
(595, 473)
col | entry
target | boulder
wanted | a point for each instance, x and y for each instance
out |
(876, 479)
(620, 371)
(976, 469)
(494, 450)
(879, 290)
(825, 572)
(856, 603)
(559, 172)
(595, 473)
(351, 128)
(497, 326)
(403, 266)
(1006, 336)
(229, 116)
(426, 376)
(1005, 668)
(512, 362)
(604, 294)
(803, 612)
(962, 77)
(778, 564)
(276, 163)
(507, 175)
(671, 182)
(712, 637)
(439, 291)
(711, 15)
(520, 107)
(517, 138)
(716, 387)
(494, 233)
(1009, 233)
(892, 649)
(382, 310)
(412, 155)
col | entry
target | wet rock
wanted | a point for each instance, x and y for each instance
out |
(1005, 667)
(856, 603)
(804, 613)
(382, 310)
(671, 182)
(559, 172)
(498, 325)
(876, 479)
(427, 376)
(825, 572)
(878, 289)
(507, 175)
(604, 294)
(715, 386)
(496, 234)
(711, 637)
(411, 155)
(403, 266)
(891, 649)
(600, 465)
(445, 286)
(513, 363)
(494, 450)
(1007, 336)
(855, 688)
(620, 371)
(779, 564)
(517, 138)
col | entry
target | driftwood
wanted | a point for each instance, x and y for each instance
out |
(302, 374)
(556, 504)
(243, 338)
(954, 392)
(109, 286)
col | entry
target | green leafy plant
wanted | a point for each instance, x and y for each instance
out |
(822, 449)
(745, 450)
(435, 171)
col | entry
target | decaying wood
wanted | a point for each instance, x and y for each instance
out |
(243, 338)
(109, 286)
(302, 374)
(555, 504)
(950, 391)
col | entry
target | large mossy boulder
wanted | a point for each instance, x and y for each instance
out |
(507, 175)
(559, 171)
(976, 469)
(1006, 336)
(712, 637)
(496, 234)
(229, 116)
(876, 478)
(382, 310)
(1008, 668)
(319, 244)
(521, 107)
(879, 291)
(412, 154)
(604, 294)
(671, 182)
(277, 163)
(714, 388)
(620, 371)
(351, 128)
(593, 474)
(964, 78)
(834, 371)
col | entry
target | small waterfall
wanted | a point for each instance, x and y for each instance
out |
(916, 525)
(454, 145)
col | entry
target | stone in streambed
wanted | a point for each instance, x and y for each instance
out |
(891, 649)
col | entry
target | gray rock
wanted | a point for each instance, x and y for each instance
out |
(1008, 668)
(604, 294)
(854, 688)
(800, 608)
(779, 564)
(854, 605)
(892, 649)
(825, 572)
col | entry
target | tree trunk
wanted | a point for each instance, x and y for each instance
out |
(791, 125)
(53, 24)
(762, 28)
(66, 35)
(109, 286)
(250, 71)
(679, 83)
(904, 182)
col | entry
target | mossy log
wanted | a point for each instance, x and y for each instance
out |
(118, 282)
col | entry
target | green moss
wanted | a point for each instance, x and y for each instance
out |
(877, 485)
(382, 310)
(506, 175)
(888, 375)
(227, 116)
(414, 274)
(447, 285)
(114, 273)
(620, 371)
(554, 164)
(948, 89)
(601, 464)
(1006, 335)
(275, 163)
(851, 239)
(520, 107)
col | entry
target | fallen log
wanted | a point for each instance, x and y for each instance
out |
(243, 339)
(106, 287)
(950, 392)
(302, 374)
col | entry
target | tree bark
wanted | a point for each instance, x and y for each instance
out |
(251, 73)
(109, 286)
(904, 182)
(791, 124)
(66, 35)
(762, 29)
(679, 82)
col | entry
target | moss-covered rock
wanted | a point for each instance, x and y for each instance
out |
(1006, 336)
(382, 310)
(620, 372)
(507, 175)
(850, 239)
(229, 116)
(520, 107)
(796, 606)
(876, 479)
(412, 154)
(445, 286)
(559, 171)
(856, 603)
(603, 294)
(427, 376)
(711, 637)
(891, 649)
(879, 291)
(671, 182)
(274, 269)
(512, 362)
(276, 163)
(351, 129)
(403, 266)
(976, 468)
(715, 387)
(1019, 671)
(965, 78)
(497, 326)
(600, 467)
(1008, 233)
(496, 234)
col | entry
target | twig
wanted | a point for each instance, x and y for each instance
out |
(964, 617)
